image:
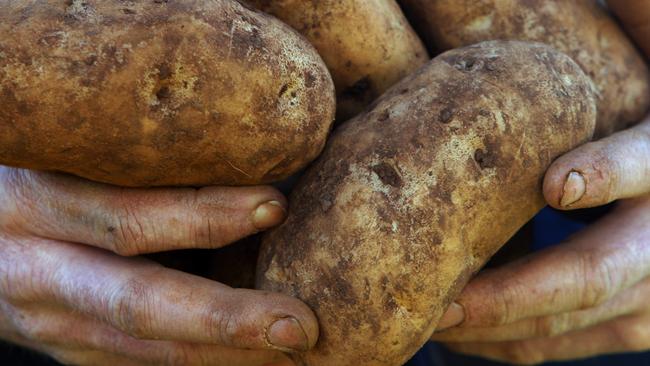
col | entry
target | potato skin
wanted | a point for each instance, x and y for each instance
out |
(581, 29)
(635, 16)
(155, 93)
(368, 45)
(408, 200)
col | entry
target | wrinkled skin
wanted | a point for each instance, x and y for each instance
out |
(589, 295)
(73, 287)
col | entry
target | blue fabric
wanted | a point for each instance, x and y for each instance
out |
(550, 227)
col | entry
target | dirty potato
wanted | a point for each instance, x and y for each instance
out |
(582, 29)
(368, 45)
(150, 93)
(411, 198)
(635, 16)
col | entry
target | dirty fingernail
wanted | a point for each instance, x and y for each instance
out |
(455, 315)
(574, 188)
(287, 335)
(268, 214)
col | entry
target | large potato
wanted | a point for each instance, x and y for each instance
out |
(368, 45)
(635, 16)
(411, 198)
(149, 93)
(581, 28)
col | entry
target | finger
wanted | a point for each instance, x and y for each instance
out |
(635, 16)
(582, 273)
(629, 301)
(20, 336)
(80, 340)
(135, 221)
(600, 172)
(168, 353)
(625, 334)
(91, 358)
(148, 301)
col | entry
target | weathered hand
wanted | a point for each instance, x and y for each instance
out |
(588, 296)
(70, 287)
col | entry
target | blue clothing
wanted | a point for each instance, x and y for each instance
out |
(549, 227)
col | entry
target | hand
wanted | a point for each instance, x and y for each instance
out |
(68, 289)
(588, 296)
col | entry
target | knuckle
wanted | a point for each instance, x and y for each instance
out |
(222, 328)
(125, 231)
(179, 355)
(522, 354)
(130, 309)
(207, 232)
(605, 170)
(598, 281)
(126, 236)
(500, 307)
(551, 326)
(223, 325)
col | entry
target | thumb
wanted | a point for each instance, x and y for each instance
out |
(600, 172)
(581, 273)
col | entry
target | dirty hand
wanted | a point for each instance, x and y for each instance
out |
(587, 296)
(71, 286)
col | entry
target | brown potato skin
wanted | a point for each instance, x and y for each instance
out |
(635, 16)
(410, 199)
(157, 93)
(581, 29)
(368, 45)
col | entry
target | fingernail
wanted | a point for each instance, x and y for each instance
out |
(287, 335)
(455, 315)
(574, 188)
(268, 214)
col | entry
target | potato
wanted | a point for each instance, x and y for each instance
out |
(368, 45)
(635, 16)
(582, 29)
(151, 93)
(411, 198)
